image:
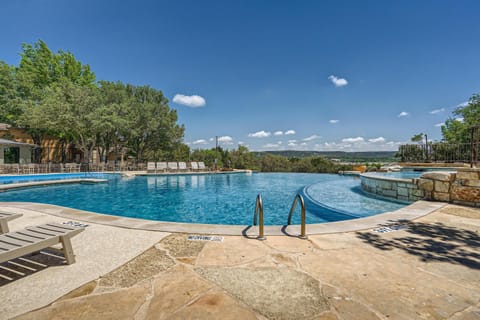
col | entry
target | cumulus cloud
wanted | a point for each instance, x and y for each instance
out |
(211, 139)
(260, 134)
(278, 133)
(377, 140)
(463, 104)
(303, 144)
(241, 143)
(271, 145)
(313, 137)
(338, 82)
(437, 111)
(292, 141)
(292, 144)
(333, 121)
(440, 124)
(193, 101)
(403, 114)
(289, 132)
(352, 140)
(460, 119)
(225, 139)
(200, 141)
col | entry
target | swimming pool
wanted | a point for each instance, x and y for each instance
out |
(213, 199)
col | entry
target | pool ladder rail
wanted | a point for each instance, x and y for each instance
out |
(298, 197)
(258, 216)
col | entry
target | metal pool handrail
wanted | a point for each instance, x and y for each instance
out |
(259, 214)
(302, 205)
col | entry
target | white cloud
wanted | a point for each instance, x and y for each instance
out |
(193, 101)
(333, 121)
(278, 133)
(437, 111)
(460, 119)
(241, 143)
(211, 139)
(403, 114)
(225, 139)
(289, 132)
(311, 138)
(463, 104)
(377, 140)
(303, 144)
(352, 140)
(271, 145)
(200, 141)
(260, 134)
(292, 141)
(292, 144)
(338, 82)
(440, 124)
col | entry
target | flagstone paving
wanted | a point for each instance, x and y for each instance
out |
(430, 269)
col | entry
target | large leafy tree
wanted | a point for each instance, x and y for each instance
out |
(30, 84)
(153, 130)
(68, 110)
(457, 129)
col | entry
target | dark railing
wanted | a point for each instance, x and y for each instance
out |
(439, 152)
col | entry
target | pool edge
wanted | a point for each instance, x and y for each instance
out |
(411, 212)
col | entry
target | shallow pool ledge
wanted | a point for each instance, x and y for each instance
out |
(411, 212)
(4, 187)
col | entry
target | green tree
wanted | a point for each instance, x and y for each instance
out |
(417, 138)
(458, 131)
(68, 111)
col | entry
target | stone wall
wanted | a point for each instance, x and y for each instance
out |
(462, 187)
(405, 190)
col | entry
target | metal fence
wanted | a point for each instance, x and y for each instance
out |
(439, 152)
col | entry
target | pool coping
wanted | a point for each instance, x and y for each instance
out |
(5, 187)
(414, 211)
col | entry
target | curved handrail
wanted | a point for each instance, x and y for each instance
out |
(302, 205)
(259, 213)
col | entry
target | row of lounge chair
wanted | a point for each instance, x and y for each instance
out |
(159, 167)
(31, 239)
(29, 168)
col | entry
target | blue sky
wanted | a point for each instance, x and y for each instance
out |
(335, 75)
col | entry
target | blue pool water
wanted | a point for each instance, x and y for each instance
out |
(213, 199)
(51, 176)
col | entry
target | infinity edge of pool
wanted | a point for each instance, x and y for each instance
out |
(410, 212)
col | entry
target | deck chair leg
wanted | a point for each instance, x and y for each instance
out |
(3, 226)
(67, 250)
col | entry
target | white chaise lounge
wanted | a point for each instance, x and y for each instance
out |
(31, 239)
(182, 166)
(172, 166)
(161, 166)
(201, 166)
(194, 166)
(150, 167)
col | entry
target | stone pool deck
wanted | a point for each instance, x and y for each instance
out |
(428, 268)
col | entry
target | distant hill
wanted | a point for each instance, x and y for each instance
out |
(366, 156)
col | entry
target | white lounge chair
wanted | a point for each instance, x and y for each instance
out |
(4, 218)
(151, 167)
(161, 166)
(172, 166)
(31, 239)
(201, 166)
(182, 166)
(194, 166)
